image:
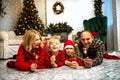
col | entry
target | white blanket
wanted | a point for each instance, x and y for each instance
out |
(108, 70)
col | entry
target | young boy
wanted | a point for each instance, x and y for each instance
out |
(55, 57)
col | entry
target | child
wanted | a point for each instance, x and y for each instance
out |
(71, 59)
(55, 55)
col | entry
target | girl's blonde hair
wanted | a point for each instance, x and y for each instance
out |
(28, 39)
(73, 54)
(53, 38)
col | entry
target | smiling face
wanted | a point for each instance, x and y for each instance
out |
(86, 38)
(54, 46)
(69, 51)
(36, 41)
(31, 39)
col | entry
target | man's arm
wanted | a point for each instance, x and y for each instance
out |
(100, 51)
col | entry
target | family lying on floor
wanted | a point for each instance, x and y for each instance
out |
(33, 53)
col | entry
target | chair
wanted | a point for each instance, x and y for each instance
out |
(9, 43)
(99, 25)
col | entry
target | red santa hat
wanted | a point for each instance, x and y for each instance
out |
(68, 44)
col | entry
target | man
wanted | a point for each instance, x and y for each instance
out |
(90, 49)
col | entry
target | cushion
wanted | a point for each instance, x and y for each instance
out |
(11, 34)
(13, 42)
(95, 34)
(3, 35)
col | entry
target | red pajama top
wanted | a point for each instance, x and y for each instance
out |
(24, 59)
(60, 59)
(80, 62)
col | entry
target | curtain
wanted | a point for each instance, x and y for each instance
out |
(107, 11)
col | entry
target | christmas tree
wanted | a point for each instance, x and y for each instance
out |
(98, 7)
(29, 19)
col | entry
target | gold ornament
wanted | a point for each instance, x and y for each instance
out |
(85, 50)
(36, 57)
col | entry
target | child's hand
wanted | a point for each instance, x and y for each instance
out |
(52, 59)
(72, 64)
(33, 67)
(75, 65)
(54, 65)
(68, 63)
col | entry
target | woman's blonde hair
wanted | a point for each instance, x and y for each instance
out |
(28, 39)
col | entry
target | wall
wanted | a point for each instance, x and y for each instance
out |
(116, 13)
(13, 10)
(75, 11)
(118, 22)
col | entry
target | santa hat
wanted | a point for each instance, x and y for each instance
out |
(68, 44)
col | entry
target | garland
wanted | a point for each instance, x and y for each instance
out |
(2, 13)
(58, 11)
(0, 5)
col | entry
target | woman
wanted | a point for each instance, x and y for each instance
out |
(31, 52)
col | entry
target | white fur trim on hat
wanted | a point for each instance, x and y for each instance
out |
(69, 46)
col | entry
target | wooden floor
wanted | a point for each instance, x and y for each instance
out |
(108, 70)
